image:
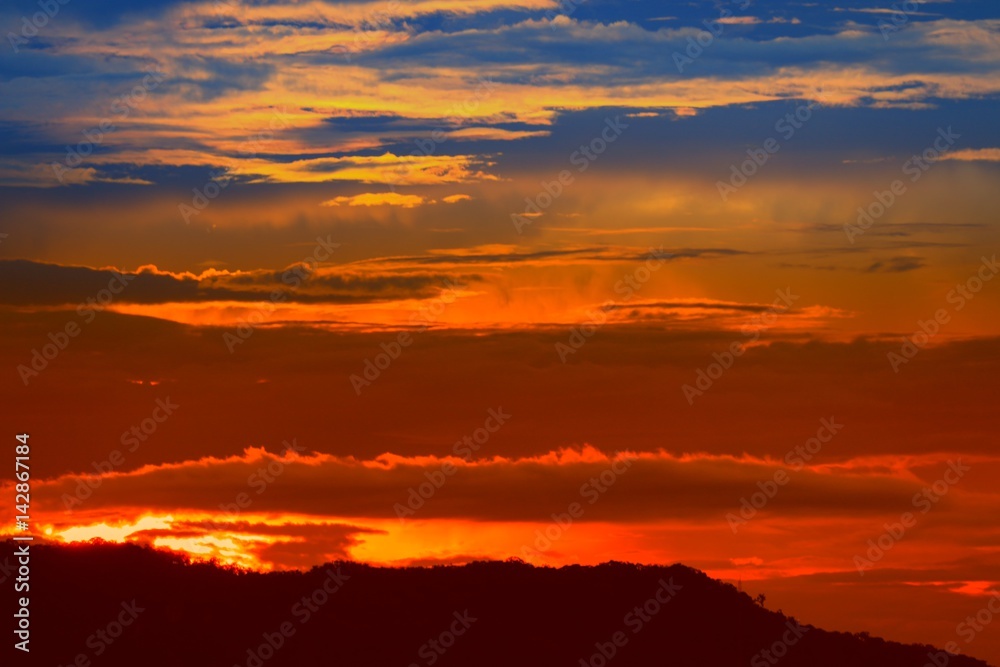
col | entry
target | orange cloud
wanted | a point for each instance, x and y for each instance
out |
(378, 199)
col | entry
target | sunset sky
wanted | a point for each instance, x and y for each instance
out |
(269, 267)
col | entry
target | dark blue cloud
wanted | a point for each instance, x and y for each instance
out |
(224, 76)
(710, 141)
(99, 14)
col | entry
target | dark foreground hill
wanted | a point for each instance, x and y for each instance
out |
(108, 605)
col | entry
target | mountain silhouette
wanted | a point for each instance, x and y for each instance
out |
(104, 605)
